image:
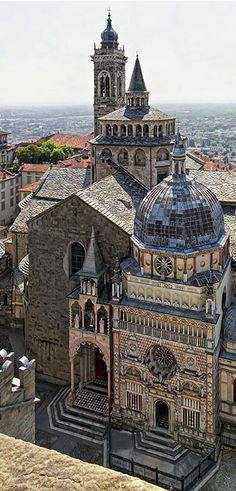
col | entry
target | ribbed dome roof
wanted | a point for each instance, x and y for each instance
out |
(24, 265)
(179, 213)
(229, 324)
(109, 37)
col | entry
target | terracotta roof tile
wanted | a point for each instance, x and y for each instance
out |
(74, 141)
(35, 167)
(74, 163)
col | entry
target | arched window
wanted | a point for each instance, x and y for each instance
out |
(137, 101)
(77, 257)
(160, 130)
(142, 101)
(131, 101)
(119, 86)
(108, 130)
(123, 130)
(89, 315)
(146, 130)
(130, 130)
(107, 86)
(234, 392)
(162, 155)
(123, 157)
(102, 86)
(138, 130)
(155, 130)
(139, 158)
(115, 130)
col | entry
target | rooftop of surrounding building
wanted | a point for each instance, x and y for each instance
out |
(137, 114)
(74, 141)
(30, 467)
(223, 184)
(5, 175)
(74, 163)
(34, 168)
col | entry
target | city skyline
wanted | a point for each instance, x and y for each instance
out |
(46, 59)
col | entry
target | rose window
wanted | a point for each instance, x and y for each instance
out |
(163, 265)
(161, 361)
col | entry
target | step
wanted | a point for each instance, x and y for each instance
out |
(72, 428)
(160, 447)
(66, 416)
(101, 389)
(159, 437)
(163, 455)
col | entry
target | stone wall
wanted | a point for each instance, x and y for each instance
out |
(50, 237)
(17, 398)
(148, 174)
(28, 467)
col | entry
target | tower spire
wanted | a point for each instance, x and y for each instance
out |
(178, 155)
(137, 94)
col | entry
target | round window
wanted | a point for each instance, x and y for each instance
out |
(163, 265)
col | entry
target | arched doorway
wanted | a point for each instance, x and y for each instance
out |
(162, 415)
(100, 368)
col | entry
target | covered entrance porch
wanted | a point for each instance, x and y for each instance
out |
(94, 388)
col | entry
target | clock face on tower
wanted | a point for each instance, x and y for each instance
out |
(163, 265)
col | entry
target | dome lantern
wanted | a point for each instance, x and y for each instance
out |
(109, 37)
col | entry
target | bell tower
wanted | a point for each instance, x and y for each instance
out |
(109, 74)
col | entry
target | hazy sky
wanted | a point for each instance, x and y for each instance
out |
(186, 49)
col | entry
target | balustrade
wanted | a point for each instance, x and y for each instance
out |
(166, 330)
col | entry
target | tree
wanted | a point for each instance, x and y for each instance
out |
(56, 155)
(67, 150)
(30, 154)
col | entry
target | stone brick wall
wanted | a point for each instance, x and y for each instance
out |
(147, 175)
(17, 398)
(49, 238)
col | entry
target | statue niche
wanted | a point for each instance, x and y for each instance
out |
(102, 320)
(89, 315)
(76, 315)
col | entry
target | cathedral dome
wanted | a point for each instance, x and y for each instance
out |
(229, 324)
(109, 37)
(179, 213)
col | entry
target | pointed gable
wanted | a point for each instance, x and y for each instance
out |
(137, 83)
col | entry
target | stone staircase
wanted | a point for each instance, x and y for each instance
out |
(160, 444)
(86, 419)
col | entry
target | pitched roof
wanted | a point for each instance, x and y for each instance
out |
(222, 184)
(116, 197)
(137, 83)
(139, 113)
(35, 167)
(74, 163)
(56, 185)
(74, 141)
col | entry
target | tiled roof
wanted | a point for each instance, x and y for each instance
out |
(129, 140)
(56, 185)
(74, 163)
(136, 114)
(191, 164)
(223, 184)
(116, 197)
(34, 208)
(74, 141)
(28, 187)
(60, 183)
(35, 167)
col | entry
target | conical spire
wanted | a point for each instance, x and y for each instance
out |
(137, 83)
(93, 263)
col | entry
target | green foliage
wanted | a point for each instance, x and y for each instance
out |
(48, 152)
(57, 154)
(30, 154)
